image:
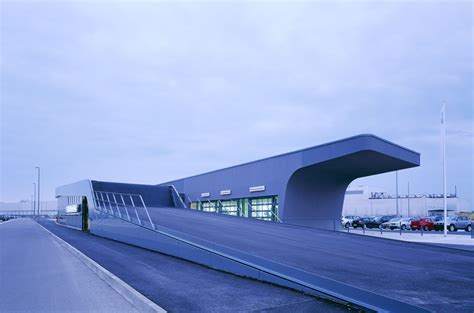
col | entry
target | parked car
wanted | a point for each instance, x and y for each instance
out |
(383, 219)
(425, 223)
(5, 218)
(346, 221)
(392, 224)
(386, 218)
(368, 222)
(398, 222)
(360, 222)
(406, 222)
(454, 223)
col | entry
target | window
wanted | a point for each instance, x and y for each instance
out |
(230, 207)
(264, 208)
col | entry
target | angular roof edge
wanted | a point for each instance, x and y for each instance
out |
(298, 151)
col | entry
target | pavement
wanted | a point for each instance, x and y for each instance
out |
(437, 278)
(181, 286)
(459, 240)
(39, 275)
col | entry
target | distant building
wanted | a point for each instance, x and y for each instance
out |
(26, 207)
(367, 201)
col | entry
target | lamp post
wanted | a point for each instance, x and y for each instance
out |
(396, 188)
(34, 199)
(39, 203)
(443, 145)
(408, 199)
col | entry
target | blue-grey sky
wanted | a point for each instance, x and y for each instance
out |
(152, 91)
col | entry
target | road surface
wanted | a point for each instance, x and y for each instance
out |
(181, 286)
(433, 277)
(39, 275)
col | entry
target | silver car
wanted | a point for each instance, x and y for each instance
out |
(454, 223)
(346, 221)
(393, 223)
(398, 222)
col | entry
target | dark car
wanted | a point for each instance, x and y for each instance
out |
(360, 222)
(374, 222)
(377, 222)
(386, 218)
(368, 222)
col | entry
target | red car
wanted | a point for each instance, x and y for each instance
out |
(425, 223)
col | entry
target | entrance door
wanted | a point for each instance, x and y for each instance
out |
(85, 214)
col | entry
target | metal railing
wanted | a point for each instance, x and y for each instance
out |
(239, 210)
(298, 279)
(28, 212)
(111, 202)
(176, 195)
(271, 211)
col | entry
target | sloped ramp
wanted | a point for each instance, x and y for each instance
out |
(225, 243)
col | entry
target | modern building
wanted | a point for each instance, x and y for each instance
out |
(304, 187)
(369, 201)
(225, 230)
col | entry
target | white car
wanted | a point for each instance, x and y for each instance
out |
(406, 222)
(398, 222)
(346, 221)
(392, 224)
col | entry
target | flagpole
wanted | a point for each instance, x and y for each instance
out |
(443, 122)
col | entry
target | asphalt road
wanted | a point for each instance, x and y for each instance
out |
(433, 277)
(181, 286)
(38, 275)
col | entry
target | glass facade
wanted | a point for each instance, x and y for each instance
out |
(262, 208)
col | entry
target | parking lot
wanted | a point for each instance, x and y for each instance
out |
(414, 229)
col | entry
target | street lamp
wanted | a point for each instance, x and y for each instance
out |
(396, 188)
(34, 199)
(39, 203)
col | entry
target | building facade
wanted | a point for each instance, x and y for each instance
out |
(370, 201)
(304, 187)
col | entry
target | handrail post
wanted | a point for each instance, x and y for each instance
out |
(237, 202)
(116, 204)
(176, 193)
(125, 207)
(110, 204)
(136, 212)
(99, 206)
(103, 201)
(147, 213)
(222, 206)
(280, 221)
(94, 197)
(210, 203)
(96, 200)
